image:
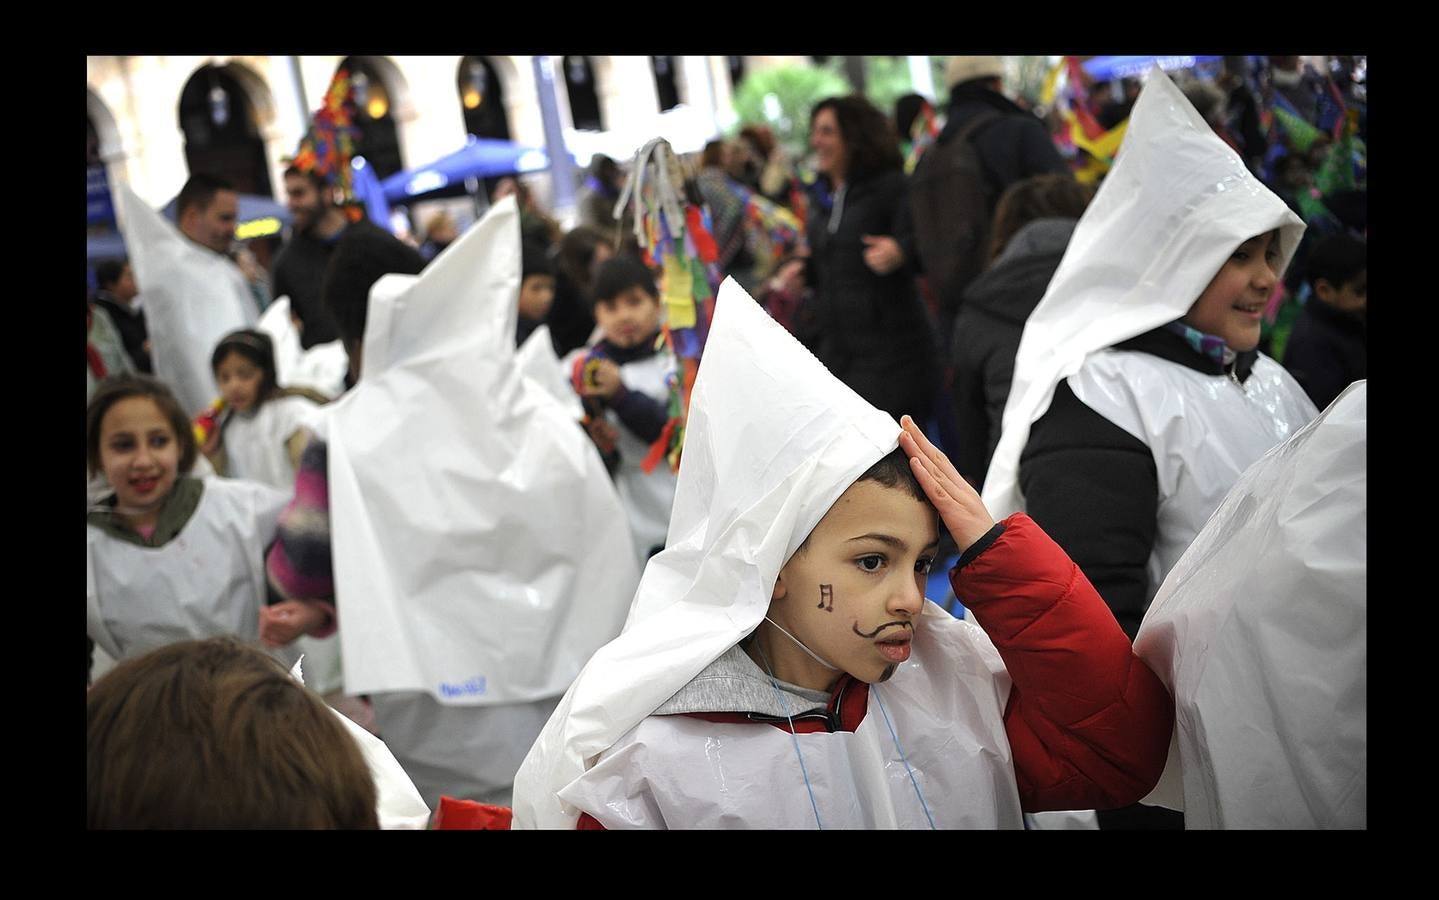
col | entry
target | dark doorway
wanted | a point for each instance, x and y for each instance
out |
(664, 69)
(378, 140)
(584, 100)
(222, 136)
(483, 99)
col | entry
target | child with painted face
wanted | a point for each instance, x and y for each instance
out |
(263, 430)
(168, 556)
(781, 667)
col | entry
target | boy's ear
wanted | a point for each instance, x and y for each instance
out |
(780, 590)
(1324, 290)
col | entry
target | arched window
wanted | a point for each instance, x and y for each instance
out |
(664, 71)
(378, 141)
(584, 99)
(483, 99)
(221, 135)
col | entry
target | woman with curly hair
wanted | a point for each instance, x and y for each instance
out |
(869, 326)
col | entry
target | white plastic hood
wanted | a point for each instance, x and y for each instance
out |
(480, 553)
(193, 297)
(1176, 205)
(773, 439)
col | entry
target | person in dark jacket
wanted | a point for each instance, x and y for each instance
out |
(1328, 349)
(870, 328)
(1013, 146)
(117, 297)
(1031, 230)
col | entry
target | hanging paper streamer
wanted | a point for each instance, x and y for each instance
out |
(676, 237)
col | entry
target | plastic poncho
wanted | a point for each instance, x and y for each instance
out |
(321, 368)
(208, 581)
(773, 440)
(193, 297)
(1260, 633)
(1176, 205)
(479, 550)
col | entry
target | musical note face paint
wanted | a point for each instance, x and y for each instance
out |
(867, 558)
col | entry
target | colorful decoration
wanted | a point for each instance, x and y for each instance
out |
(206, 421)
(326, 149)
(676, 237)
(922, 134)
(1084, 131)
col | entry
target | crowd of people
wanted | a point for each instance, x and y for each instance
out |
(439, 470)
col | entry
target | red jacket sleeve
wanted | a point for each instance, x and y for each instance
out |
(1088, 722)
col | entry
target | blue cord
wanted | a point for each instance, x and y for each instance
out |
(794, 737)
(874, 689)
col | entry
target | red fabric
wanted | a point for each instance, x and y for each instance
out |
(1088, 722)
(93, 360)
(704, 243)
(469, 815)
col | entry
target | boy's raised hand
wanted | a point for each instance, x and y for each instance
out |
(958, 504)
(606, 381)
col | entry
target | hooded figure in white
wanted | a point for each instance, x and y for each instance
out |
(478, 544)
(1260, 632)
(321, 368)
(755, 481)
(193, 297)
(1166, 219)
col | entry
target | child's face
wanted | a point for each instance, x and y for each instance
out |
(537, 294)
(1233, 303)
(1352, 296)
(630, 318)
(239, 382)
(854, 594)
(139, 454)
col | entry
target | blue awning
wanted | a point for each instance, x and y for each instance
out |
(1104, 68)
(479, 158)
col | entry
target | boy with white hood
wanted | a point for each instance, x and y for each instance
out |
(1138, 394)
(781, 667)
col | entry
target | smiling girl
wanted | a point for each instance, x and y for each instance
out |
(168, 557)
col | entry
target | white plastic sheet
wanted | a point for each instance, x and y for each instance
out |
(479, 549)
(773, 439)
(321, 368)
(1175, 206)
(193, 297)
(398, 805)
(1260, 632)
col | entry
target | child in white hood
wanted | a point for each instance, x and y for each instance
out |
(1138, 394)
(781, 667)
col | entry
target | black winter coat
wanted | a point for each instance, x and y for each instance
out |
(871, 331)
(1327, 351)
(987, 332)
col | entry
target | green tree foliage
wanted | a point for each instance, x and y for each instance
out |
(795, 89)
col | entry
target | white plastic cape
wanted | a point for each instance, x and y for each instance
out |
(536, 358)
(1260, 634)
(255, 444)
(1175, 206)
(193, 297)
(398, 806)
(773, 439)
(478, 550)
(321, 368)
(208, 581)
